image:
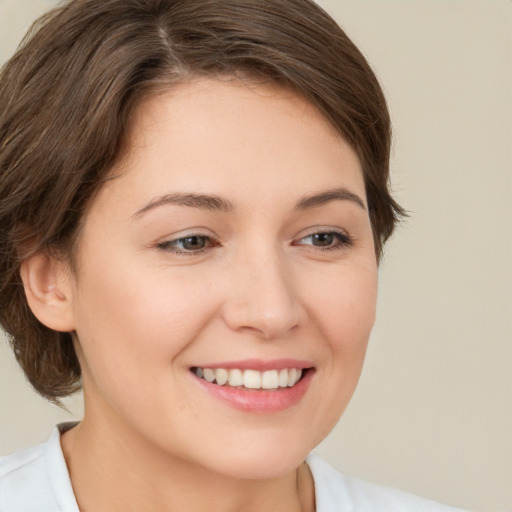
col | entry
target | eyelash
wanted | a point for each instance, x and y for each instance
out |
(342, 239)
(170, 245)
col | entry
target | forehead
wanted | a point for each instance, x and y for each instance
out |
(212, 136)
(227, 100)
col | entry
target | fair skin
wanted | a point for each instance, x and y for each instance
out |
(273, 267)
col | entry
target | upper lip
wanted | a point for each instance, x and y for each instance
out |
(258, 364)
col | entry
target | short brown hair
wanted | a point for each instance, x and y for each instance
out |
(66, 98)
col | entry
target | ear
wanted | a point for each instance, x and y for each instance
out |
(48, 288)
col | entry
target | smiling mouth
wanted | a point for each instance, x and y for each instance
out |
(251, 379)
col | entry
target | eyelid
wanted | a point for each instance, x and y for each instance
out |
(170, 245)
(343, 238)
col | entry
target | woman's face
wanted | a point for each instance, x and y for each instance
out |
(234, 241)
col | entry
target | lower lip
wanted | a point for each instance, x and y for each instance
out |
(260, 400)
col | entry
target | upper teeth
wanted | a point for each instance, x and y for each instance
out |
(251, 379)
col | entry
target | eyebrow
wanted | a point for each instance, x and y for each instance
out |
(336, 194)
(219, 204)
(204, 202)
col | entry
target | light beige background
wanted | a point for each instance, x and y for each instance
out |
(433, 412)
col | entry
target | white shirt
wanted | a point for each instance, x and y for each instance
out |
(37, 480)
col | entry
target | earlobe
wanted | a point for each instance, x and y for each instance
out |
(47, 285)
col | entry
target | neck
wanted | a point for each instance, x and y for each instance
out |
(113, 469)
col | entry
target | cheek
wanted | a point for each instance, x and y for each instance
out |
(141, 319)
(344, 306)
(345, 314)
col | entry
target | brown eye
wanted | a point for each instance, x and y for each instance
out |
(193, 243)
(322, 239)
(188, 244)
(327, 240)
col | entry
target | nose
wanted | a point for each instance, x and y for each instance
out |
(262, 298)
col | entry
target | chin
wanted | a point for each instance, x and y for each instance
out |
(264, 458)
(261, 466)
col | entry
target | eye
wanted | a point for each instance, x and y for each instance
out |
(326, 240)
(188, 245)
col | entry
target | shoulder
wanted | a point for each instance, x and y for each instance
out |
(24, 480)
(336, 492)
(9, 464)
(36, 479)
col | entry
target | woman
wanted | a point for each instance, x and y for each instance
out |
(194, 198)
